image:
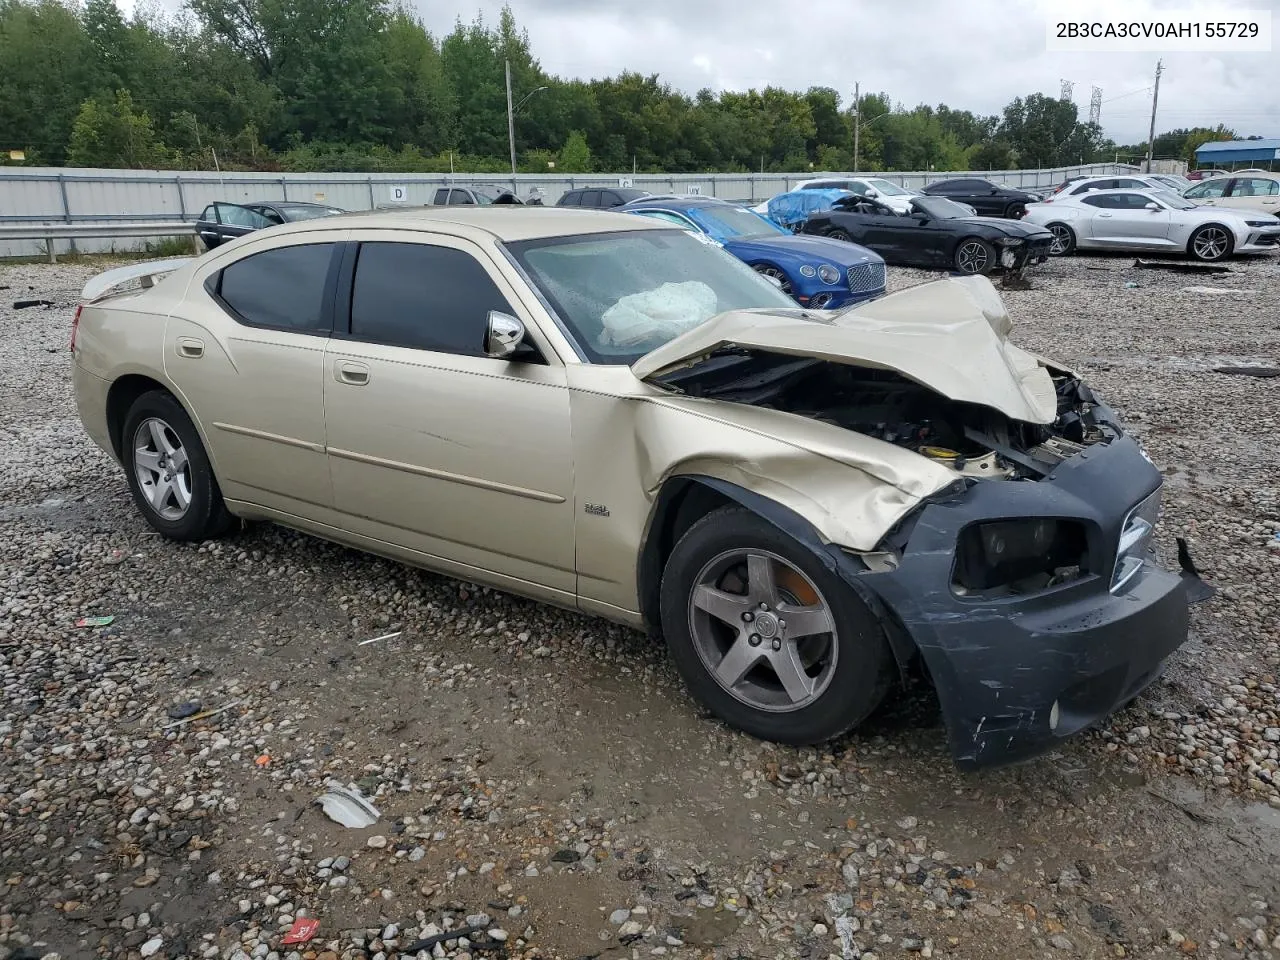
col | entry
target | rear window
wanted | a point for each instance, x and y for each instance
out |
(282, 288)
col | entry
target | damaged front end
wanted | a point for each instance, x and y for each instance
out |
(1028, 587)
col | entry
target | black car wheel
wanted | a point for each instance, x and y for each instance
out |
(1210, 243)
(766, 636)
(1015, 210)
(1064, 240)
(169, 473)
(975, 256)
(840, 235)
(769, 270)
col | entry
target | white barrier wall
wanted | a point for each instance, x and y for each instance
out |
(82, 195)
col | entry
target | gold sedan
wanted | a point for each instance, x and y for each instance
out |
(613, 415)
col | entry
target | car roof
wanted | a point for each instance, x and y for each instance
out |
(503, 222)
(690, 201)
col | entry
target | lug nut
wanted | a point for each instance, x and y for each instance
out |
(782, 624)
(754, 639)
(777, 644)
(763, 605)
(748, 617)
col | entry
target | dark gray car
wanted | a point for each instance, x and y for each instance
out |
(220, 222)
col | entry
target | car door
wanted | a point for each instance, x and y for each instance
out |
(1127, 221)
(246, 354)
(433, 446)
(982, 196)
(235, 220)
(207, 226)
(458, 196)
(1253, 193)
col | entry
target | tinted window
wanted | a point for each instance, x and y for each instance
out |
(210, 214)
(280, 288)
(1131, 201)
(949, 186)
(571, 199)
(417, 295)
(591, 198)
(1107, 201)
(241, 216)
(610, 199)
(442, 197)
(268, 213)
(1130, 184)
(1096, 185)
(461, 196)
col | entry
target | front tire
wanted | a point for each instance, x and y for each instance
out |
(840, 235)
(767, 637)
(168, 471)
(1210, 243)
(975, 256)
(769, 270)
(1064, 240)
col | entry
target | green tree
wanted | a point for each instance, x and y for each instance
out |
(111, 133)
(575, 155)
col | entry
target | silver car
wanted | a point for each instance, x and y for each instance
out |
(1152, 220)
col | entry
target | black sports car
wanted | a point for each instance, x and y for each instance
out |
(989, 199)
(935, 233)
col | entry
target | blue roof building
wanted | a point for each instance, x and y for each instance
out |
(1230, 152)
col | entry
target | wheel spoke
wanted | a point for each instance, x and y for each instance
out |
(723, 606)
(158, 438)
(159, 493)
(737, 663)
(178, 459)
(147, 459)
(762, 587)
(805, 621)
(786, 664)
(181, 492)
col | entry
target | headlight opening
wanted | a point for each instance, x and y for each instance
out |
(1016, 557)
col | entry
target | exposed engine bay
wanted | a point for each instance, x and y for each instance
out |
(972, 439)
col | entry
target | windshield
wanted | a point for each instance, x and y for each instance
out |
(940, 208)
(1171, 199)
(887, 188)
(485, 194)
(728, 223)
(307, 211)
(624, 294)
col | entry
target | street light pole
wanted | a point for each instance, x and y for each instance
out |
(857, 124)
(511, 127)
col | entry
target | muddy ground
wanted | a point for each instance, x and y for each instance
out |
(548, 770)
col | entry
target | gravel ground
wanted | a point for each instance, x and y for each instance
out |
(542, 778)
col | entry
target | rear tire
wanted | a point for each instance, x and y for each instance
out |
(728, 588)
(1210, 243)
(975, 256)
(1064, 240)
(168, 471)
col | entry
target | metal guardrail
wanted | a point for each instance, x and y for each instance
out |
(49, 232)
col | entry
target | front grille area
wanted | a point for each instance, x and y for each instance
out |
(866, 276)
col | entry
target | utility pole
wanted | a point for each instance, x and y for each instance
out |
(1151, 136)
(511, 127)
(857, 123)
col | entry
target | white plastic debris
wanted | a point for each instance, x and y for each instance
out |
(660, 314)
(349, 808)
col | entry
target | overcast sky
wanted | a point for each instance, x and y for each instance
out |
(970, 54)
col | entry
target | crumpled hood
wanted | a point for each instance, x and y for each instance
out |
(950, 336)
(817, 249)
(1011, 228)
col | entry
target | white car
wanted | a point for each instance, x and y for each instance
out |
(1127, 182)
(1154, 220)
(1257, 191)
(878, 188)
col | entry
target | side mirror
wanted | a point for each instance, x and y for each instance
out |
(503, 337)
(872, 192)
(994, 191)
(1152, 206)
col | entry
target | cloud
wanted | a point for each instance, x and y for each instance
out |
(976, 55)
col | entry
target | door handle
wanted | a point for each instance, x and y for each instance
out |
(191, 348)
(350, 372)
(1104, 214)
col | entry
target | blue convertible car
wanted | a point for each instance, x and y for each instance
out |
(815, 271)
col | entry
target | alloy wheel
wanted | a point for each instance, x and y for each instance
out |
(1211, 243)
(777, 275)
(763, 630)
(972, 257)
(840, 235)
(1061, 241)
(163, 469)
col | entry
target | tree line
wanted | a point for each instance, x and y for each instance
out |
(361, 85)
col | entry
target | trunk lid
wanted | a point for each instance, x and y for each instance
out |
(950, 336)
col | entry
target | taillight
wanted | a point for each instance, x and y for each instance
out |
(75, 326)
